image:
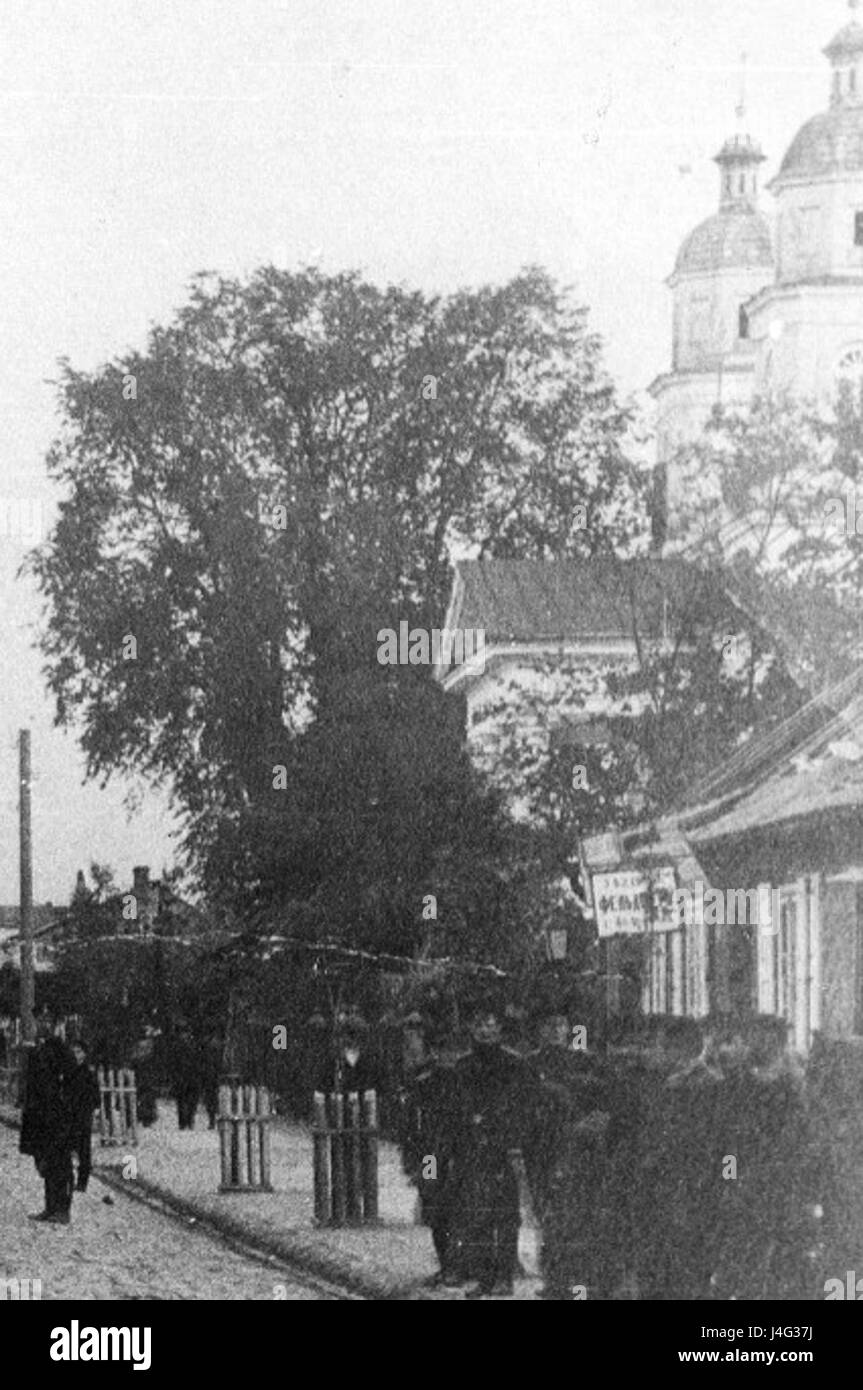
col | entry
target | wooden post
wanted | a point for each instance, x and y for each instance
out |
(28, 1022)
(133, 1105)
(354, 1159)
(103, 1119)
(370, 1156)
(224, 1141)
(266, 1111)
(320, 1130)
(337, 1137)
(235, 1136)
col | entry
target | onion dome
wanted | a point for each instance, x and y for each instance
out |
(727, 240)
(832, 142)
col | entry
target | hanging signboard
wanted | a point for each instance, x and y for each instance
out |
(622, 901)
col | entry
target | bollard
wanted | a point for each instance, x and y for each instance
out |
(244, 1146)
(118, 1107)
(345, 1140)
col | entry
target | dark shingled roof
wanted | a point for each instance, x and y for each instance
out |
(740, 149)
(566, 600)
(848, 40)
(734, 238)
(830, 143)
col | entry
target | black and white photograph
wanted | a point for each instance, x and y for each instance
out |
(431, 599)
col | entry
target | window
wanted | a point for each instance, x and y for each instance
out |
(858, 229)
(742, 322)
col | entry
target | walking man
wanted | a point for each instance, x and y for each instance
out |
(485, 1207)
(187, 1078)
(47, 1126)
(83, 1100)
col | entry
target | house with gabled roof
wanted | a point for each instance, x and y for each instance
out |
(556, 630)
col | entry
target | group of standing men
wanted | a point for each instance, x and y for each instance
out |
(684, 1170)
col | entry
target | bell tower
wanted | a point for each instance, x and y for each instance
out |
(721, 265)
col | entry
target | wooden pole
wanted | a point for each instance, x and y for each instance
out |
(322, 1159)
(354, 1159)
(132, 1084)
(28, 1022)
(370, 1156)
(337, 1135)
(224, 1124)
(266, 1110)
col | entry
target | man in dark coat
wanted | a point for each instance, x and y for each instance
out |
(565, 1153)
(186, 1070)
(769, 1221)
(429, 1109)
(211, 1074)
(143, 1058)
(83, 1100)
(490, 1097)
(682, 1170)
(47, 1126)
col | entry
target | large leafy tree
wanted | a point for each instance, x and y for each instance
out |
(285, 470)
(772, 493)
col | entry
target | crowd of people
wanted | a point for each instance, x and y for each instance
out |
(687, 1168)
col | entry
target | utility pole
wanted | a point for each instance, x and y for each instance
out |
(28, 1025)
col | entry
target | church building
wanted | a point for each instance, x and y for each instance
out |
(765, 305)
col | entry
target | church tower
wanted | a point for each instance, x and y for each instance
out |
(809, 324)
(721, 265)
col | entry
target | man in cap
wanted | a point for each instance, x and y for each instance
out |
(565, 1154)
(428, 1120)
(490, 1095)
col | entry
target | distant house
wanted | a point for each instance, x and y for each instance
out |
(149, 907)
(45, 920)
(556, 630)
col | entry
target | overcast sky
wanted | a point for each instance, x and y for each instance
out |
(437, 143)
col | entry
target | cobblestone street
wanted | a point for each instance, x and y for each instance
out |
(123, 1250)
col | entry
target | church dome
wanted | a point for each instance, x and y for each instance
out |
(727, 240)
(831, 143)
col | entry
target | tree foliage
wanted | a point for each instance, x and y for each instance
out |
(286, 469)
(772, 494)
